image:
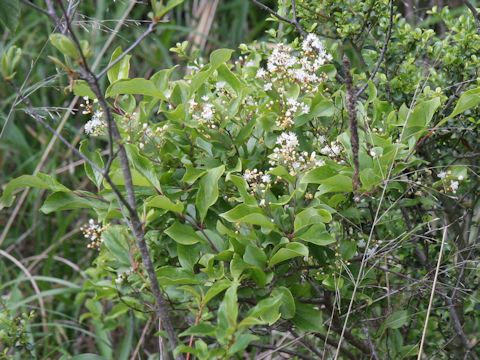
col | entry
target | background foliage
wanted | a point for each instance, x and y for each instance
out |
(264, 242)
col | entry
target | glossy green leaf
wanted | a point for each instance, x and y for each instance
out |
(249, 215)
(39, 181)
(311, 216)
(120, 70)
(143, 165)
(137, 86)
(317, 234)
(163, 202)
(290, 251)
(65, 45)
(208, 190)
(183, 234)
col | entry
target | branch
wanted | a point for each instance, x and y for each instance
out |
(352, 114)
(161, 305)
(474, 12)
(293, 22)
(149, 30)
(382, 54)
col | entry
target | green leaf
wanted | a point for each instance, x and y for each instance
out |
(287, 308)
(9, 13)
(121, 69)
(202, 329)
(228, 310)
(207, 194)
(337, 183)
(216, 289)
(317, 234)
(468, 100)
(317, 175)
(81, 88)
(219, 57)
(192, 174)
(241, 343)
(183, 234)
(290, 251)
(162, 10)
(136, 86)
(39, 181)
(255, 256)
(64, 45)
(115, 240)
(227, 75)
(67, 200)
(249, 215)
(417, 122)
(397, 319)
(169, 275)
(95, 176)
(143, 165)
(163, 202)
(311, 216)
(307, 318)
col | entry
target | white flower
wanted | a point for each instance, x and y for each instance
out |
(311, 43)
(205, 98)
(454, 186)
(267, 179)
(261, 73)
(460, 177)
(96, 125)
(442, 174)
(267, 86)
(208, 112)
(250, 63)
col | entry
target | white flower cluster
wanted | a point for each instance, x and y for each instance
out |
(92, 231)
(87, 106)
(96, 126)
(285, 66)
(449, 183)
(258, 181)
(203, 113)
(302, 68)
(293, 107)
(332, 150)
(286, 154)
(123, 277)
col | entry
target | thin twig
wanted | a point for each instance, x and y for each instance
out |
(352, 114)
(161, 305)
(444, 238)
(294, 22)
(382, 53)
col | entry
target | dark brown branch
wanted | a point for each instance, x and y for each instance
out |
(293, 22)
(161, 304)
(352, 114)
(382, 53)
(474, 12)
(36, 7)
